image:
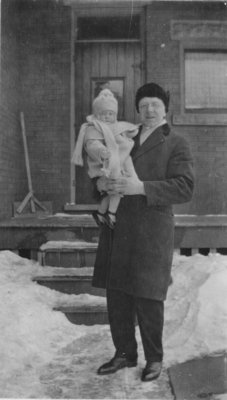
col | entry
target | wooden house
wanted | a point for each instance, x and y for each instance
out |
(57, 54)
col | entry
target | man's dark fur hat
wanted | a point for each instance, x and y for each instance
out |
(152, 90)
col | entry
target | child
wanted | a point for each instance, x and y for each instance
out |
(108, 144)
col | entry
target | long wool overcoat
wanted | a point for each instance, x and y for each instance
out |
(136, 256)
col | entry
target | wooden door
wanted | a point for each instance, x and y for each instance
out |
(117, 65)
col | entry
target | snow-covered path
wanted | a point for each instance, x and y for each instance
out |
(43, 355)
(72, 374)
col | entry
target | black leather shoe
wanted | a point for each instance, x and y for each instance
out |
(151, 371)
(116, 363)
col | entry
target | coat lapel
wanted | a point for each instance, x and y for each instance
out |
(157, 137)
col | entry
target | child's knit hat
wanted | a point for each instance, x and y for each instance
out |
(104, 101)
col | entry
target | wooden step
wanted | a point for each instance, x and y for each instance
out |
(70, 280)
(85, 314)
(70, 284)
(68, 254)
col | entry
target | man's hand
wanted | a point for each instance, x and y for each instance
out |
(126, 186)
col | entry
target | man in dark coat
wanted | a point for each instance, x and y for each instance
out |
(134, 260)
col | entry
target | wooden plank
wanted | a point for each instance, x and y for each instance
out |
(72, 106)
(112, 59)
(32, 237)
(84, 8)
(129, 82)
(121, 71)
(194, 251)
(27, 164)
(213, 251)
(13, 238)
(24, 203)
(104, 72)
(85, 315)
(200, 378)
(64, 220)
(109, 41)
(138, 72)
(200, 119)
(80, 207)
(29, 198)
(208, 237)
(70, 284)
(24, 206)
(30, 233)
(95, 65)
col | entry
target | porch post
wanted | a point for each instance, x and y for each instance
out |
(72, 110)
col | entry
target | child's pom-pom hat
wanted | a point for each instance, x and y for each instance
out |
(104, 101)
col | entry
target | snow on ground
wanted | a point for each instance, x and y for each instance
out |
(196, 308)
(43, 355)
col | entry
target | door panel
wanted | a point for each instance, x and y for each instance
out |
(105, 61)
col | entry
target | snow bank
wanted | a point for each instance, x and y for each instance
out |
(196, 308)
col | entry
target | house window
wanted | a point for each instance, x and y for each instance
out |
(205, 80)
(98, 28)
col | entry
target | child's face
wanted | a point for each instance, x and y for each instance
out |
(107, 116)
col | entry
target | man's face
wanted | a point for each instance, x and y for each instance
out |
(151, 111)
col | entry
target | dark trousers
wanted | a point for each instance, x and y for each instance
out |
(122, 311)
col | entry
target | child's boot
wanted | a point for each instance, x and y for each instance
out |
(99, 218)
(111, 219)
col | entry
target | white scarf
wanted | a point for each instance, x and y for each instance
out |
(108, 137)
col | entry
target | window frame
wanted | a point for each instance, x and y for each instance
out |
(208, 46)
(113, 10)
(101, 38)
(198, 116)
(200, 103)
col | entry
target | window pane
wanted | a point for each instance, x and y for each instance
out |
(108, 28)
(205, 80)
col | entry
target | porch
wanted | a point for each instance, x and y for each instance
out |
(65, 244)
(25, 235)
